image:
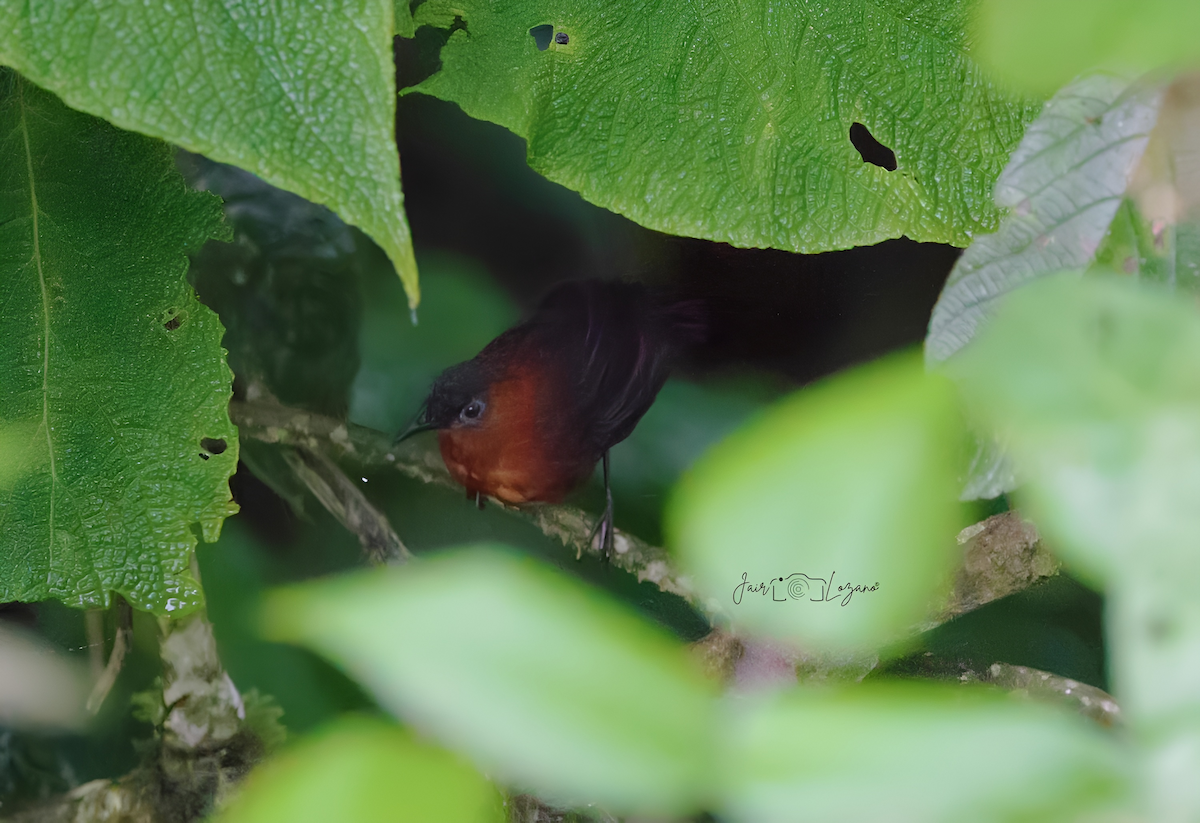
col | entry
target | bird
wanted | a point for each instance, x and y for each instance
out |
(527, 419)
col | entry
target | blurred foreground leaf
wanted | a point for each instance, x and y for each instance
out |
(38, 686)
(849, 483)
(539, 679)
(734, 122)
(301, 94)
(108, 359)
(1096, 384)
(915, 755)
(1042, 45)
(367, 771)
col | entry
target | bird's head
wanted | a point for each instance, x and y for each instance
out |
(457, 399)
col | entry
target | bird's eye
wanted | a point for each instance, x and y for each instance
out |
(472, 410)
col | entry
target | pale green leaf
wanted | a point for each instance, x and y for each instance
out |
(731, 121)
(537, 678)
(300, 93)
(1096, 386)
(849, 483)
(1042, 45)
(1063, 186)
(108, 361)
(364, 770)
(910, 754)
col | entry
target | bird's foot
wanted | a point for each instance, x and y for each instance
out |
(605, 532)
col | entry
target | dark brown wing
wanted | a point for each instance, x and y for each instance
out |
(614, 344)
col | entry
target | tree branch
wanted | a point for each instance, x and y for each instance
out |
(272, 423)
(1002, 555)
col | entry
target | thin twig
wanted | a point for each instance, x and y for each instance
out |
(345, 501)
(1089, 701)
(116, 658)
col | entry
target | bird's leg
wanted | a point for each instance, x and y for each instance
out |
(480, 500)
(605, 525)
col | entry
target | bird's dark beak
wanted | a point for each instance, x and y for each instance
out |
(421, 424)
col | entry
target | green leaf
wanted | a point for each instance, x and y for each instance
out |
(404, 25)
(849, 483)
(914, 754)
(539, 679)
(108, 359)
(302, 94)
(1042, 45)
(733, 122)
(368, 771)
(1063, 184)
(1096, 385)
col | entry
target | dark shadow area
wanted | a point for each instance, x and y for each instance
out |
(541, 35)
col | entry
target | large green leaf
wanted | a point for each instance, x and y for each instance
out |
(109, 361)
(364, 770)
(732, 121)
(851, 483)
(1042, 45)
(300, 93)
(914, 755)
(537, 678)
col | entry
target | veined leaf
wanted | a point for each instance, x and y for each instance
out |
(1063, 186)
(108, 361)
(734, 121)
(300, 93)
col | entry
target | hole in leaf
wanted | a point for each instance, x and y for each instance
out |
(172, 318)
(213, 446)
(541, 35)
(870, 149)
(562, 38)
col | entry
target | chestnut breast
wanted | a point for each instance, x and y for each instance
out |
(517, 453)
